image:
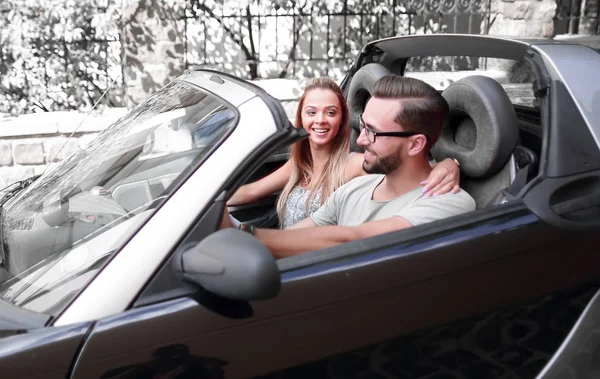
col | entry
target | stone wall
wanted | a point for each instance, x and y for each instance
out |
(590, 18)
(30, 143)
(523, 18)
(153, 47)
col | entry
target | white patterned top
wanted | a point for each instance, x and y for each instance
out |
(295, 207)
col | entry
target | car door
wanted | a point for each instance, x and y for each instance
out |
(262, 213)
(353, 296)
(342, 299)
(450, 275)
(578, 354)
(29, 349)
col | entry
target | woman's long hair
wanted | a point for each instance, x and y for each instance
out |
(302, 164)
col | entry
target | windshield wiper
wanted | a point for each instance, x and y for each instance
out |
(16, 187)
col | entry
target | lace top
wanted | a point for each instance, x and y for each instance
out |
(295, 209)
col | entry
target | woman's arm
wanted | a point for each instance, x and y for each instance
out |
(354, 167)
(444, 178)
(271, 183)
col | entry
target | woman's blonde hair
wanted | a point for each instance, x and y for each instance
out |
(302, 164)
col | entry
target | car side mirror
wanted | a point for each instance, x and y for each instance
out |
(232, 264)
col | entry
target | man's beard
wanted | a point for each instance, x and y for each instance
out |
(384, 165)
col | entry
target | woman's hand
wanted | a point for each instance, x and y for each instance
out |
(226, 220)
(444, 178)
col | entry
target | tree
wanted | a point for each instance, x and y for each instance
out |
(241, 25)
(57, 55)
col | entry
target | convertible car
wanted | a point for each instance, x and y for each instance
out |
(112, 265)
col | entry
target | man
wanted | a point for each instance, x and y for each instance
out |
(401, 122)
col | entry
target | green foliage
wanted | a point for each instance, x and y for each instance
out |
(58, 54)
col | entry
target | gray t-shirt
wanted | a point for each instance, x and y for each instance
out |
(352, 205)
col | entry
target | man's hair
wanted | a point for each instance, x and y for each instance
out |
(423, 109)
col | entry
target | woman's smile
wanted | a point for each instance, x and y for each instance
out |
(321, 115)
(320, 131)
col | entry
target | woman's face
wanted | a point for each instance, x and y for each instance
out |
(321, 116)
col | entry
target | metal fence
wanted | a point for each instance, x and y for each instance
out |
(577, 17)
(251, 38)
(297, 42)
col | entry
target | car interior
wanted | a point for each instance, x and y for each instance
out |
(496, 139)
(482, 132)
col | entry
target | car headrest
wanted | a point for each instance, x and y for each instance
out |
(360, 91)
(481, 130)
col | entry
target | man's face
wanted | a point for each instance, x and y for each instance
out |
(386, 153)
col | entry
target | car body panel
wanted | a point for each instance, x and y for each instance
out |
(225, 87)
(42, 353)
(576, 75)
(389, 292)
(510, 342)
(450, 45)
(578, 355)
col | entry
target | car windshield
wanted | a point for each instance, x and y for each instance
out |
(60, 230)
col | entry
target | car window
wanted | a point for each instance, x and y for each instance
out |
(516, 77)
(61, 230)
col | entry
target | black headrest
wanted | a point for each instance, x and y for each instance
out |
(481, 130)
(361, 89)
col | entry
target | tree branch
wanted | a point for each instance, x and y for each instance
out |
(229, 32)
(292, 55)
(249, 21)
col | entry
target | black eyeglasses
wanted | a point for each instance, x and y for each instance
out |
(371, 134)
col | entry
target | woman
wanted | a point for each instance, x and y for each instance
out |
(323, 162)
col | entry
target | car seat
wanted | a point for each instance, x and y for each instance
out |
(359, 92)
(481, 132)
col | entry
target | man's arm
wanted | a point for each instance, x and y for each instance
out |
(306, 223)
(285, 243)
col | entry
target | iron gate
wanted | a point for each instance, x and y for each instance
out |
(577, 17)
(265, 40)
